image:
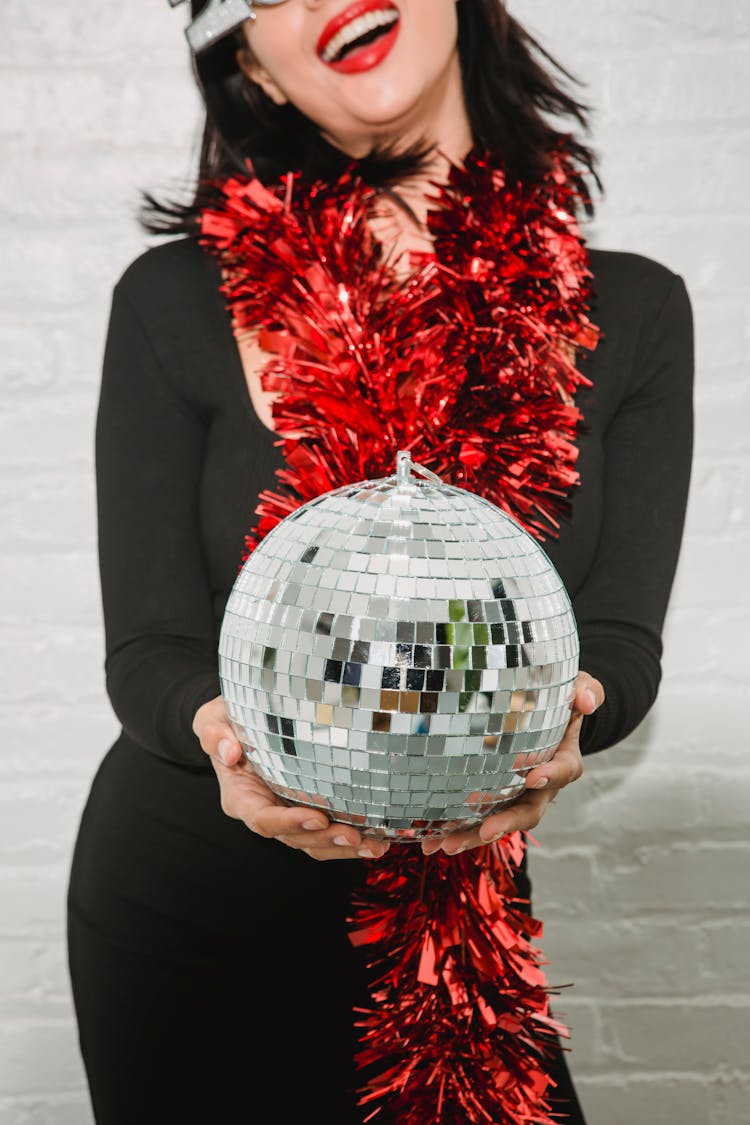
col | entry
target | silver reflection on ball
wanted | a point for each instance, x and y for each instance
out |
(398, 653)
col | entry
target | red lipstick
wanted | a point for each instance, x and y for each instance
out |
(369, 55)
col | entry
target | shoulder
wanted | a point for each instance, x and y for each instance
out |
(643, 312)
(632, 280)
(173, 293)
(622, 267)
(171, 273)
(634, 296)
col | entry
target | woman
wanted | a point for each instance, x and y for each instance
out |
(211, 967)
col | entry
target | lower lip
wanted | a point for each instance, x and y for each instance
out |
(365, 58)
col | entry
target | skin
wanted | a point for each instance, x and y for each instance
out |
(245, 797)
(416, 90)
(415, 93)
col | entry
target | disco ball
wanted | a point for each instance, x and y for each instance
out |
(398, 653)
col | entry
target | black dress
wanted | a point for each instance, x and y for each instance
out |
(212, 975)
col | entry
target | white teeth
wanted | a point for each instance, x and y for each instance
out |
(355, 28)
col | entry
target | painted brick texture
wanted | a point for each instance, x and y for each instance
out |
(642, 868)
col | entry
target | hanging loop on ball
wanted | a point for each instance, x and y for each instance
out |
(405, 465)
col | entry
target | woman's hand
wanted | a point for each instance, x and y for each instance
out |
(543, 783)
(245, 797)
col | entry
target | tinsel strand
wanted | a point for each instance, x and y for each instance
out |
(469, 363)
(460, 1031)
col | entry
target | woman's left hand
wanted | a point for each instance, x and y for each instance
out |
(543, 783)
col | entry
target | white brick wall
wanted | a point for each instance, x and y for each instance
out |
(642, 872)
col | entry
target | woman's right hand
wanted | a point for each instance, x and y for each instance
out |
(245, 797)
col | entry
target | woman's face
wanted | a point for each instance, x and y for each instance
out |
(400, 84)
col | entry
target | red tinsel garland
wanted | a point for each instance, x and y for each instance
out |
(462, 1031)
(469, 362)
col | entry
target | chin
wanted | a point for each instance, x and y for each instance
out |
(382, 107)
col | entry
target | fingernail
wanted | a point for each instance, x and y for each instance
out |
(495, 838)
(312, 825)
(592, 697)
(341, 841)
(224, 748)
(541, 783)
(366, 853)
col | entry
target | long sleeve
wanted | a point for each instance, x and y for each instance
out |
(161, 661)
(175, 425)
(621, 605)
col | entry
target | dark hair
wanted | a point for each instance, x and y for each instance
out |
(511, 98)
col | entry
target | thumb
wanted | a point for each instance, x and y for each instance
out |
(219, 741)
(589, 694)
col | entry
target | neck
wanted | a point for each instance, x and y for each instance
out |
(412, 193)
(439, 118)
(450, 132)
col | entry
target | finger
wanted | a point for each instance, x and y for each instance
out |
(229, 750)
(343, 837)
(589, 694)
(524, 814)
(339, 842)
(246, 797)
(452, 842)
(373, 849)
(461, 841)
(272, 819)
(565, 767)
(301, 828)
(219, 741)
(243, 794)
(367, 852)
(566, 764)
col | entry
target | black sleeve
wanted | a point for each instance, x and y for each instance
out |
(161, 660)
(621, 606)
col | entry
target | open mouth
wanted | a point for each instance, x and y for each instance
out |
(360, 31)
